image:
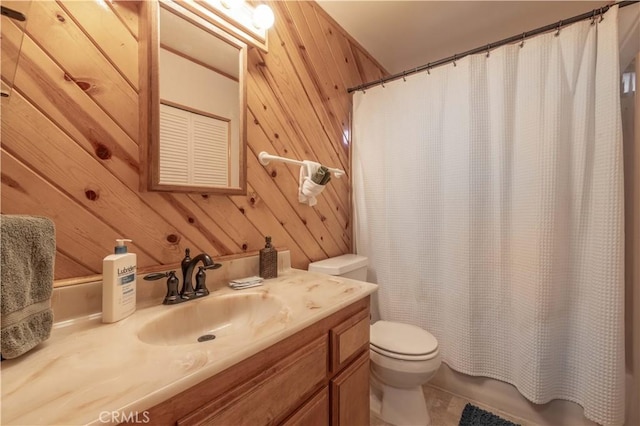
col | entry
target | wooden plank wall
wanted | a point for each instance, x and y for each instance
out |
(70, 140)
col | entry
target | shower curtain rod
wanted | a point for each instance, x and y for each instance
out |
(595, 13)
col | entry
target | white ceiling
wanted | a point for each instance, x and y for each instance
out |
(405, 34)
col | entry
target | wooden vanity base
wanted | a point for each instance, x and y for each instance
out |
(318, 376)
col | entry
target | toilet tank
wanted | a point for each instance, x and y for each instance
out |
(347, 266)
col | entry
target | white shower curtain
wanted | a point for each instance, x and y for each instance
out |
(488, 198)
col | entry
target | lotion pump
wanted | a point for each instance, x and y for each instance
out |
(118, 283)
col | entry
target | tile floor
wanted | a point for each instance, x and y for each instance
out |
(446, 408)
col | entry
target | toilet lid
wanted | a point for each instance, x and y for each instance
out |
(402, 357)
(402, 339)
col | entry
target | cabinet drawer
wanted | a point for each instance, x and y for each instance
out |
(349, 339)
(314, 412)
(270, 396)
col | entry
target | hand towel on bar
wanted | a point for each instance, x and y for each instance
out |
(26, 261)
(308, 189)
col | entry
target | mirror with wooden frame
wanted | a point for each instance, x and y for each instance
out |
(192, 103)
(12, 26)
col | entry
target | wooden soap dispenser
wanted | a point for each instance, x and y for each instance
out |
(268, 260)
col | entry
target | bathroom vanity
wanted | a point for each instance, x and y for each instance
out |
(293, 351)
(318, 376)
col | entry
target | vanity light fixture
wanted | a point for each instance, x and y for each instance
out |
(243, 20)
(263, 17)
(232, 4)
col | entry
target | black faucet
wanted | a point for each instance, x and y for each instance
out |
(188, 264)
(187, 292)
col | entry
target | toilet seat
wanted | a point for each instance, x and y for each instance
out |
(404, 357)
(402, 341)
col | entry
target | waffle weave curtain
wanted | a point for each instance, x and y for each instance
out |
(488, 197)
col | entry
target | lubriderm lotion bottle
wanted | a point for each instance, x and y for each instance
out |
(118, 283)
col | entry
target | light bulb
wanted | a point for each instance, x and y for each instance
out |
(263, 17)
(232, 4)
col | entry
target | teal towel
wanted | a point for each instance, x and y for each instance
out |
(26, 282)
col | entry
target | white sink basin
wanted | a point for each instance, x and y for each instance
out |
(245, 316)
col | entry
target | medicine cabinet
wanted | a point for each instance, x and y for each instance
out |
(192, 100)
(14, 21)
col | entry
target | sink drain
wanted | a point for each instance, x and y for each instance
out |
(206, 337)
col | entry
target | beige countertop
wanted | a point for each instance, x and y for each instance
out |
(88, 370)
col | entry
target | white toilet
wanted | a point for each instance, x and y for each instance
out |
(403, 356)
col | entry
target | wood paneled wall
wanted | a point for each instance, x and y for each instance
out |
(70, 140)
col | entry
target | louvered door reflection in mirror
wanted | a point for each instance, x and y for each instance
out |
(195, 102)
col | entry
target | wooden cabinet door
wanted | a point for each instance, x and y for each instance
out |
(315, 412)
(350, 394)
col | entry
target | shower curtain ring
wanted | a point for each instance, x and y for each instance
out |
(593, 17)
(558, 30)
(404, 76)
(455, 58)
(601, 16)
(522, 42)
(488, 50)
(429, 68)
(382, 83)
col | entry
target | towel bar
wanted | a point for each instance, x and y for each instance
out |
(265, 158)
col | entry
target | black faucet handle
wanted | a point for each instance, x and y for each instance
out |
(172, 285)
(201, 285)
(157, 275)
(172, 289)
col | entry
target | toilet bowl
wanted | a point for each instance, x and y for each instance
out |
(403, 358)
